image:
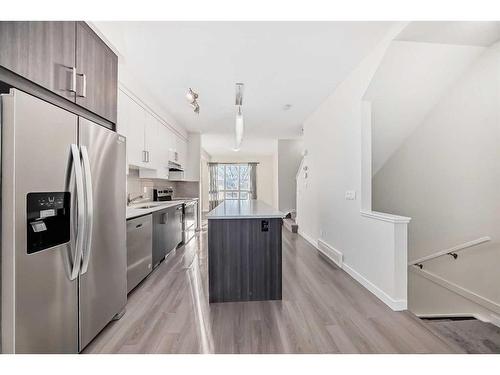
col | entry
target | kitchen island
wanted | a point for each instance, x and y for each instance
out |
(244, 252)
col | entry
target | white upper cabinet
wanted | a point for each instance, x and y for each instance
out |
(151, 141)
(131, 117)
(164, 137)
(181, 148)
(151, 144)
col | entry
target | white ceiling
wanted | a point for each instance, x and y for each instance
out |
(297, 63)
(222, 144)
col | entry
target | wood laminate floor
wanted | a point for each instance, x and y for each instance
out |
(323, 311)
(472, 335)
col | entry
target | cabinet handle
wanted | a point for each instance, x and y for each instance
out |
(164, 218)
(138, 226)
(147, 153)
(73, 79)
(144, 160)
(84, 85)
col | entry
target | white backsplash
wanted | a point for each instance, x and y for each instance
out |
(137, 186)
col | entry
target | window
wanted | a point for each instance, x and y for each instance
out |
(233, 181)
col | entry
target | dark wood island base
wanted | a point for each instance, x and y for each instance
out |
(244, 259)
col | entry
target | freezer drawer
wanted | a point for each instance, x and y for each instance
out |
(139, 250)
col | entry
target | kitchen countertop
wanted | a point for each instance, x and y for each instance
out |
(134, 211)
(251, 209)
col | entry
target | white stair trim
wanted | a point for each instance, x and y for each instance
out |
(468, 294)
(395, 219)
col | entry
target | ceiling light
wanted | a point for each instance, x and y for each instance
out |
(239, 128)
(191, 96)
(239, 94)
(239, 125)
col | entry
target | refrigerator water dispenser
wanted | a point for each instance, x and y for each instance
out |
(48, 220)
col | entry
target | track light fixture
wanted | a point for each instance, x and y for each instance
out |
(192, 97)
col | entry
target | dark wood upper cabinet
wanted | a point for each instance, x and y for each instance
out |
(67, 58)
(97, 68)
(43, 52)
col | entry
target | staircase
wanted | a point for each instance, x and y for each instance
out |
(433, 294)
(289, 222)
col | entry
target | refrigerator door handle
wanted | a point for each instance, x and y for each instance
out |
(87, 247)
(75, 152)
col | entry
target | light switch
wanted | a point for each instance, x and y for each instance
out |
(350, 195)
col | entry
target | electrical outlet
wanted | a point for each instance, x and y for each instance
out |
(350, 195)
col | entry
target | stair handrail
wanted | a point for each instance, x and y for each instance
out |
(452, 251)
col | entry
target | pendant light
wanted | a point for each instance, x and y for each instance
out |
(239, 124)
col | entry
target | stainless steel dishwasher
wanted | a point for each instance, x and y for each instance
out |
(139, 250)
(167, 232)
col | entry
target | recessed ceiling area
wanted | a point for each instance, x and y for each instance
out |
(288, 69)
(419, 66)
(472, 33)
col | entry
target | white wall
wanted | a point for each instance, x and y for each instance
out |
(446, 176)
(289, 156)
(204, 180)
(266, 174)
(374, 250)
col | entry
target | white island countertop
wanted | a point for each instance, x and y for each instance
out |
(251, 209)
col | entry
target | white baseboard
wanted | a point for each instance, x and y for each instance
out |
(396, 305)
(331, 253)
(308, 238)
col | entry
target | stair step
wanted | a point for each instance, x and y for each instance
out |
(291, 225)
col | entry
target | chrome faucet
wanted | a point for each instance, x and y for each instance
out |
(135, 199)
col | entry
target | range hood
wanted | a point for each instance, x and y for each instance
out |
(175, 167)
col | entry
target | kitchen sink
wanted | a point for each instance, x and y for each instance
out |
(147, 206)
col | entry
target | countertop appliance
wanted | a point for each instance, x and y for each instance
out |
(64, 265)
(167, 232)
(161, 195)
(139, 250)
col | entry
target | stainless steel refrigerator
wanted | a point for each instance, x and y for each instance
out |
(63, 227)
